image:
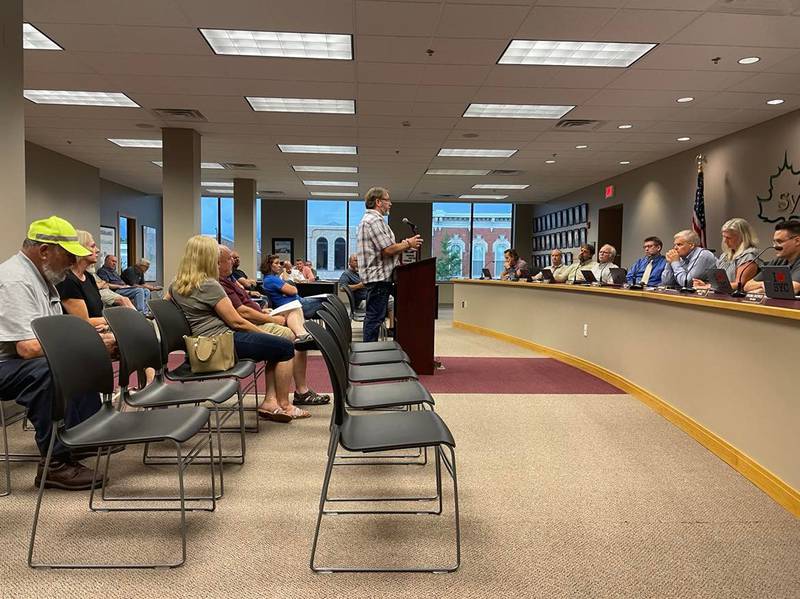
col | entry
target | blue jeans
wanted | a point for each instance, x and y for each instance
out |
(30, 384)
(377, 305)
(261, 346)
(310, 306)
(139, 297)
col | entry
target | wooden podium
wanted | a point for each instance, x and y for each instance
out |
(415, 311)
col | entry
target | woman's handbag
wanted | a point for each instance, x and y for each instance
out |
(210, 354)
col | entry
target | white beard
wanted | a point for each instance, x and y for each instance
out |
(53, 277)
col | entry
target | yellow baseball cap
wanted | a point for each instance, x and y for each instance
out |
(57, 231)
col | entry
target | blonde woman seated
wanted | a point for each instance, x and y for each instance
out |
(209, 311)
(739, 251)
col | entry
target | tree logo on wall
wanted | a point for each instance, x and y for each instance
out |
(781, 203)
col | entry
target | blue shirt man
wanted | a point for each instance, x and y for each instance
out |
(139, 296)
(686, 261)
(652, 257)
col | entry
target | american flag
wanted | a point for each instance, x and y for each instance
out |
(699, 212)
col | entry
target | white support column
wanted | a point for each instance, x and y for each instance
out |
(244, 224)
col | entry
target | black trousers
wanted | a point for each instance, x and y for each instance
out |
(29, 383)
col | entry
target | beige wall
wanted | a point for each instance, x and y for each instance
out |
(283, 218)
(56, 184)
(658, 197)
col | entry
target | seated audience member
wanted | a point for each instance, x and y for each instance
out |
(273, 325)
(138, 295)
(79, 293)
(556, 266)
(198, 293)
(686, 260)
(786, 241)
(312, 269)
(240, 276)
(739, 251)
(295, 274)
(515, 267)
(605, 262)
(281, 292)
(585, 261)
(27, 292)
(303, 268)
(134, 275)
(648, 269)
(109, 297)
(286, 271)
(352, 279)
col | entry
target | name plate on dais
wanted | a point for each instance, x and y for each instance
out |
(754, 298)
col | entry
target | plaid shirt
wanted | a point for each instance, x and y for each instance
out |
(375, 235)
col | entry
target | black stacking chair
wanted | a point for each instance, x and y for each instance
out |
(11, 413)
(339, 309)
(365, 357)
(80, 364)
(356, 314)
(139, 349)
(379, 433)
(172, 326)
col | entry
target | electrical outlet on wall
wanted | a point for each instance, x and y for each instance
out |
(463, 303)
(585, 330)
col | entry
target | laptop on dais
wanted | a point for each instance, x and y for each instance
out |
(547, 275)
(486, 273)
(618, 276)
(718, 279)
(778, 282)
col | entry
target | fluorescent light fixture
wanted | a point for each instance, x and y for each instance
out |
(775, 101)
(574, 54)
(499, 186)
(481, 197)
(76, 98)
(209, 165)
(217, 184)
(222, 191)
(337, 194)
(303, 149)
(685, 99)
(476, 153)
(581, 147)
(325, 169)
(516, 111)
(331, 183)
(549, 161)
(301, 105)
(683, 138)
(280, 44)
(136, 143)
(625, 126)
(749, 60)
(623, 162)
(33, 39)
(457, 171)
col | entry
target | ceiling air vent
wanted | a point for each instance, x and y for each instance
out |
(445, 195)
(184, 115)
(505, 173)
(578, 124)
(242, 166)
(271, 192)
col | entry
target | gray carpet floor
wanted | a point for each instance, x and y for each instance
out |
(561, 496)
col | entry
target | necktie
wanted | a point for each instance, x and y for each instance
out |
(646, 274)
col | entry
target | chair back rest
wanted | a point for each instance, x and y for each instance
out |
(172, 325)
(78, 360)
(337, 369)
(351, 299)
(336, 331)
(136, 340)
(342, 319)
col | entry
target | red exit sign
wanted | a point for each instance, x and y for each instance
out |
(609, 191)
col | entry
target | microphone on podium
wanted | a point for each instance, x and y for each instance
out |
(410, 224)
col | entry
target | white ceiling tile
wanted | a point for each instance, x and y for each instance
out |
(658, 79)
(698, 57)
(741, 30)
(564, 23)
(123, 12)
(645, 25)
(770, 83)
(541, 76)
(395, 18)
(384, 48)
(308, 16)
(467, 20)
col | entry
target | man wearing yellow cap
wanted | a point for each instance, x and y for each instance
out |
(27, 292)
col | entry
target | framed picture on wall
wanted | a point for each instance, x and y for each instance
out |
(150, 251)
(559, 221)
(576, 215)
(108, 242)
(584, 213)
(284, 248)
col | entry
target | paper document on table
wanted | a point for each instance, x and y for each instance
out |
(318, 295)
(292, 305)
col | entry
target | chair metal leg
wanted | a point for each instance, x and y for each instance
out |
(6, 459)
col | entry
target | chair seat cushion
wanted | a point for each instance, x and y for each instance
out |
(109, 427)
(374, 373)
(159, 393)
(402, 430)
(241, 370)
(361, 346)
(379, 357)
(387, 395)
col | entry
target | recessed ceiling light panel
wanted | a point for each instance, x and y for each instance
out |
(220, 191)
(325, 169)
(624, 126)
(481, 197)
(685, 99)
(581, 147)
(457, 171)
(549, 161)
(683, 138)
(33, 39)
(136, 143)
(79, 98)
(499, 186)
(306, 149)
(624, 162)
(337, 194)
(476, 153)
(749, 60)
(280, 44)
(217, 184)
(207, 165)
(332, 183)
(574, 54)
(775, 101)
(516, 111)
(301, 105)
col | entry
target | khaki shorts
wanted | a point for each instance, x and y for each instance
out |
(276, 329)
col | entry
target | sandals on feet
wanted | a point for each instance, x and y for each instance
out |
(298, 414)
(276, 415)
(310, 398)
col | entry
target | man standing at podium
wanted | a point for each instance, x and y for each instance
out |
(378, 254)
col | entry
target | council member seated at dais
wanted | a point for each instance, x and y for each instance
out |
(585, 261)
(739, 253)
(556, 266)
(647, 270)
(786, 241)
(605, 262)
(686, 261)
(515, 267)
